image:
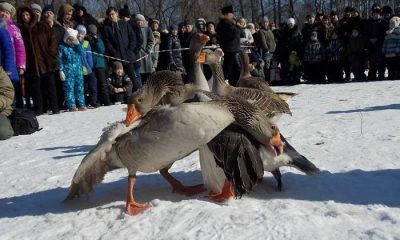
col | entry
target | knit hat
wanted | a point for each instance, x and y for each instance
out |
(377, 10)
(8, 7)
(36, 7)
(48, 8)
(69, 32)
(139, 17)
(291, 21)
(124, 12)
(92, 29)
(117, 65)
(251, 25)
(173, 27)
(154, 21)
(263, 19)
(395, 21)
(81, 29)
(201, 20)
(156, 34)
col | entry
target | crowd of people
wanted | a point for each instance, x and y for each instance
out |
(69, 60)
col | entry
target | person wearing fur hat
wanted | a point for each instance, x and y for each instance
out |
(66, 16)
(7, 12)
(228, 34)
(391, 48)
(41, 65)
(69, 60)
(374, 34)
(200, 25)
(154, 25)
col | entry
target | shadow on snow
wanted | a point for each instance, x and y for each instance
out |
(369, 109)
(355, 187)
(72, 151)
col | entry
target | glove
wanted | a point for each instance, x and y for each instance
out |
(62, 76)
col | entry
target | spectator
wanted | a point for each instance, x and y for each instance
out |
(99, 64)
(374, 35)
(6, 100)
(155, 25)
(246, 37)
(308, 27)
(119, 84)
(7, 12)
(58, 33)
(41, 66)
(289, 43)
(355, 52)
(210, 26)
(120, 41)
(228, 34)
(266, 43)
(82, 17)
(312, 60)
(200, 25)
(334, 58)
(335, 20)
(69, 59)
(391, 49)
(185, 43)
(6, 50)
(37, 9)
(90, 81)
(387, 13)
(156, 49)
(174, 54)
(145, 65)
(66, 16)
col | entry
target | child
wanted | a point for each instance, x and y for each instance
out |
(69, 60)
(313, 60)
(119, 84)
(334, 58)
(355, 52)
(87, 66)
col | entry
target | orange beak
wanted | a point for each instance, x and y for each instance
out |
(201, 58)
(131, 115)
(203, 38)
(277, 144)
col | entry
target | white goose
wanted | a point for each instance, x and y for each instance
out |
(163, 136)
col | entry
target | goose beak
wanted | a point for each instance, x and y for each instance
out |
(203, 38)
(131, 115)
(201, 58)
(276, 143)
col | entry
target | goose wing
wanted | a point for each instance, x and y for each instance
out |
(236, 153)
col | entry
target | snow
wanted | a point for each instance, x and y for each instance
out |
(350, 131)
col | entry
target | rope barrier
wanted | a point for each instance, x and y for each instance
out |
(160, 51)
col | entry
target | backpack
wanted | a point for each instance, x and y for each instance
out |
(24, 122)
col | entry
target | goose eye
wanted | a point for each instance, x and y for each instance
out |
(139, 100)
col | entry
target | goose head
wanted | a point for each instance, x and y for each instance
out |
(213, 57)
(149, 95)
(197, 42)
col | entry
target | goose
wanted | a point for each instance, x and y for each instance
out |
(249, 81)
(272, 161)
(271, 103)
(165, 135)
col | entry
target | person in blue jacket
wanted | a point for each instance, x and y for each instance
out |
(6, 52)
(69, 60)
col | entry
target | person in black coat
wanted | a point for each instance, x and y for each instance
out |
(228, 35)
(120, 41)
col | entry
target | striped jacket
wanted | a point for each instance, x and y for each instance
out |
(391, 44)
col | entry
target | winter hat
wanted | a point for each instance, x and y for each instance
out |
(124, 12)
(156, 34)
(81, 29)
(395, 22)
(139, 17)
(173, 27)
(227, 9)
(377, 10)
(291, 21)
(92, 29)
(117, 65)
(263, 19)
(154, 21)
(48, 8)
(333, 13)
(69, 32)
(36, 7)
(8, 7)
(201, 20)
(251, 25)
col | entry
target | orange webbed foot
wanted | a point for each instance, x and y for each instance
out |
(134, 208)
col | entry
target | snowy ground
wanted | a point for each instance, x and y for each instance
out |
(350, 131)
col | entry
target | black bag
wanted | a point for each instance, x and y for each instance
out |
(24, 122)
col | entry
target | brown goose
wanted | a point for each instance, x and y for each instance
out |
(249, 81)
(163, 136)
(271, 103)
